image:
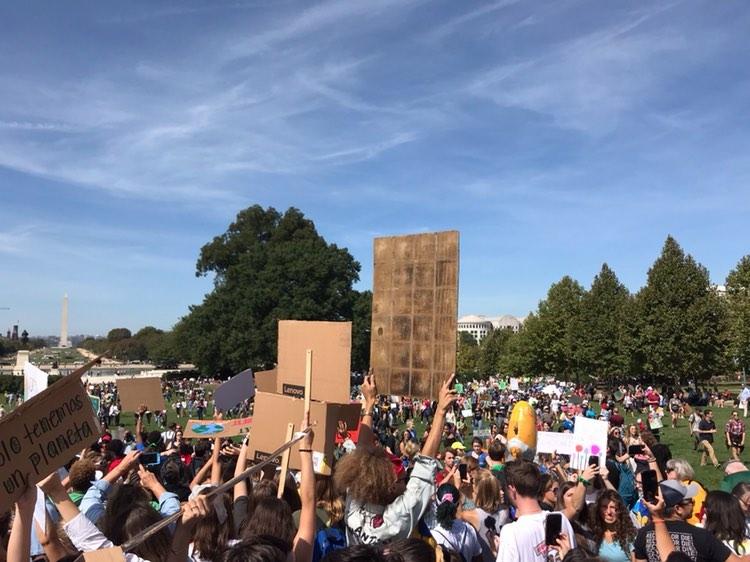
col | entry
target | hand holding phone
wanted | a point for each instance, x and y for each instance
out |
(552, 528)
(650, 485)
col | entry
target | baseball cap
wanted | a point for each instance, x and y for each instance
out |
(457, 445)
(674, 492)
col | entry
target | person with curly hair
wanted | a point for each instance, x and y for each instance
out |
(380, 504)
(612, 528)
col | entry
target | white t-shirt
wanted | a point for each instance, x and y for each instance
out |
(523, 540)
(460, 538)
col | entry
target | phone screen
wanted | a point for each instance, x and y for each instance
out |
(593, 460)
(552, 528)
(149, 459)
(650, 485)
(635, 450)
(462, 470)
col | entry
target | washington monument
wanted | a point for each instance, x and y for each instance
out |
(64, 342)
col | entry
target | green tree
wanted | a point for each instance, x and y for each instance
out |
(467, 359)
(467, 339)
(492, 350)
(361, 323)
(267, 266)
(555, 333)
(738, 301)
(600, 348)
(118, 334)
(683, 330)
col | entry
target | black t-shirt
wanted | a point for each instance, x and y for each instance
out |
(706, 425)
(699, 544)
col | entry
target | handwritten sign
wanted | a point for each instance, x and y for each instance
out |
(42, 435)
(34, 380)
(554, 442)
(589, 440)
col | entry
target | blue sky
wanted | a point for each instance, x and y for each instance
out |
(553, 135)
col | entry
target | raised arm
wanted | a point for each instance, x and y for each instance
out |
(370, 394)
(240, 488)
(447, 396)
(19, 544)
(303, 541)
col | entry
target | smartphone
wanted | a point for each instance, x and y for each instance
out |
(635, 450)
(650, 485)
(593, 460)
(552, 528)
(462, 471)
(150, 459)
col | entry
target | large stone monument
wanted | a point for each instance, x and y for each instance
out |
(64, 342)
(22, 357)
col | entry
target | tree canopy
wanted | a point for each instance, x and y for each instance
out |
(267, 266)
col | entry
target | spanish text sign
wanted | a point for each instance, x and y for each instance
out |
(42, 435)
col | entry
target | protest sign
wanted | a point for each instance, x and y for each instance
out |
(34, 380)
(414, 312)
(482, 433)
(265, 381)
(589, 439)
(134, 392)
(43, 434)
(273, 412)
(513, 384)
(331, 344)
(96, 403)
(217, 428)
(554, 442)
(235, 391)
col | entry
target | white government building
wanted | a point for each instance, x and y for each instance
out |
(481, 326)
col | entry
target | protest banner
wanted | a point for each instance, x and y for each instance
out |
(514, 384)
(34, 380)
(554, 442)
(414, 312)
(235, 391)
(272, 413)
(482, 433)
(43, 434)
(265, 381)
(589, 439)
(205, 429)
(135, 392)
(331, 344)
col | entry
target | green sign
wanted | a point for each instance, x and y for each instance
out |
(95, 403)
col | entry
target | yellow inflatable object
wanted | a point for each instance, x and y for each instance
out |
(522, 431)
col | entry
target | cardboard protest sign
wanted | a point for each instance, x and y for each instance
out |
(331, 345)
(34, 380)
(513, 384)
(414, 312)
(134, 392)
(273, 412)
(206, 429)
(482, 433)
(589, 439)
(265, 381)
(43, 434)
(235, 391)
(554, 442)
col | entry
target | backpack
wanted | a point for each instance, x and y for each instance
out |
(327, 540)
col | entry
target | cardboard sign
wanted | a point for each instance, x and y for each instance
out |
(265, 381)
(34, 380)
(554, 442)
(273, 412)
(209, 429)
(414, 313)
(589, 439)
(140, 391)
(43, 434)
(235, 391)
(331, 344)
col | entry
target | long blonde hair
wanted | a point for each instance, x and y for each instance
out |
(487, 491)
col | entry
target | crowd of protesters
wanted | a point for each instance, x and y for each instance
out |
(448, 491)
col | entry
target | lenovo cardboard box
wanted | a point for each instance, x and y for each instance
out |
(265, 381)
(273, 412)
(331, 344)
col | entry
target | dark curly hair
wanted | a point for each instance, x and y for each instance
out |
(623, 527)
(367, 476)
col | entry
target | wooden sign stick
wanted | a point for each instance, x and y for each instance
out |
(308, 379)
(285, 461)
